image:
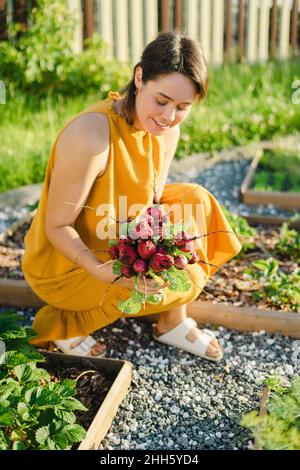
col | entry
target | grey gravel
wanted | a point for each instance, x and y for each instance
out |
(224, 180)
(179, 401)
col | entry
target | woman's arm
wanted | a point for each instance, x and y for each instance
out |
(82, 153)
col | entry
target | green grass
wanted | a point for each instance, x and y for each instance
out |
(244, 104)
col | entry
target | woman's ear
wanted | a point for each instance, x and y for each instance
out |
(138, 77)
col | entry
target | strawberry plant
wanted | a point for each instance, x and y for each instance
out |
(36, 411)
(289, 243)
(276, 287)
(241, 227)
(279, 429)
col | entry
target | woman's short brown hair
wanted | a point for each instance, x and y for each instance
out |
(170, 52)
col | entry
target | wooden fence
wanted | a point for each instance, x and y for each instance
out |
(229, 30)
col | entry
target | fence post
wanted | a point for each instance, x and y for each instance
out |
(294, 29)
(151, 20)
(274, 28)
(284, 32)
(241, 31)
(75, 10)
(88, 18)
(2, 92)
(178, 14)
(121, 13)
(205, 27)
(218, 32)
(264, 20)
(136, 29)
(192, 19)
(105, 20)
(228, 31)
(3, 22)
(164, 15)
(252, 31)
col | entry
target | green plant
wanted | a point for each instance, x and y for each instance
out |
(36, 412)
(278, 170)
(41, 61)
(280, 428)
(289, 243)
(242, 229)
(278, 288)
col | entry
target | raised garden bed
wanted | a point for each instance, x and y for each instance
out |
(227, 299)
(273, 178)
(102, 385)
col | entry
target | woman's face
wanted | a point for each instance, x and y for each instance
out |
(166, 101)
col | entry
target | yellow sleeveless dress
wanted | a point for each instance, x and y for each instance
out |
(72, 295)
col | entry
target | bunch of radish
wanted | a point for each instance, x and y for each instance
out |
(151, 245)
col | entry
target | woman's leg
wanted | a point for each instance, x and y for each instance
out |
(171, 318)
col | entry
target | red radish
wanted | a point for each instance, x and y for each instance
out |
(155, 199)
(180, 261)
(140, 266)
(141, 230)
(187, 246)
(114, 252)
(156, 211)
(161, 249)
(194, 258)
(126, 241)
(127, 271)
(127, 254)
(159, 262)
(146, 249)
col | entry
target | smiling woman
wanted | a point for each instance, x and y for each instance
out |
(121, 149)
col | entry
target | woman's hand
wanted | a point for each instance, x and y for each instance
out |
(105, 274)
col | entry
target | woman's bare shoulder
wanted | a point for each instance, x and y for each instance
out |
(87, 134)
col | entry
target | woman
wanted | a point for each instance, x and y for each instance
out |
(121, 147)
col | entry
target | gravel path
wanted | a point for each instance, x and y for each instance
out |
(179, 401)
(224, 180)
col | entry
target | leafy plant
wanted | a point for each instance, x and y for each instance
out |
(278, 170)
(278, 288)
(242, 229)
(289, 243)
(280, 428)
(36, 412)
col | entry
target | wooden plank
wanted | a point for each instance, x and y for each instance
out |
(267, 220)
(277, 198)
(76, 12)
(178, 15)
(250, 172)
(228, 31)
(240, 318)
(251, 45)
(151, 20)
(263, 43)
(136, 30)
(294, 27)
(274, 29)
(284, 30)
(192, 19)
(18, 293)
(105, 21)
(164, 15)
(241, 31)
(205, 27)
(108, 409)
(218, 32)
(229, 316)
(3, 20)
(120, 11)
(89, 18)
(122, 370)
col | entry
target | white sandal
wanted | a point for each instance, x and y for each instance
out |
(177, 337)
(78, 345)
